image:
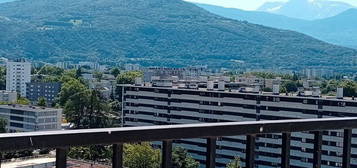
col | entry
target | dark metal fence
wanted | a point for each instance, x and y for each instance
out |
(62, 140)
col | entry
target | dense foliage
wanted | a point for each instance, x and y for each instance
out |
(155, 32)
(3, 124)
(2, 78)
(182, 159)
(141, 156)
(128, 77)
(234, 163)
(42, 102)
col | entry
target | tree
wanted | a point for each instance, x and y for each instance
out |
(94, 153)
(42, 102)
(349, 88)
(234, 163)
(267, 89)
(290, 86)
(3, 124)
(78, 73)
(68, 75)
(141, 156)
(128, 77)
(71, 89)
(51, 70)
(2, 78)
(182, 159)
(115, 72)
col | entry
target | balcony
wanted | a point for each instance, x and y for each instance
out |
(62, 140)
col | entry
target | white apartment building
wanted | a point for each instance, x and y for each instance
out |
(18, 73)
(24, 118)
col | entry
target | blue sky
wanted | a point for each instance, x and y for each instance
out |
(250, 4)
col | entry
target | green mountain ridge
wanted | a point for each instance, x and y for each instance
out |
(155, 32)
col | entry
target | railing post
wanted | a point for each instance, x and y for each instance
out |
(285, 150)
(166, 154)
(347, 138)
(317, 149)
(211, 153)
(117, 160)
(61, 157)
(250, 151)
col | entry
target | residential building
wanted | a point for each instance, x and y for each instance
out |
(64, 65)
(187, 73)
(145, 106)
(24, 118)
(18, 73)
(8, 96)
(132, 67)
(47, 90)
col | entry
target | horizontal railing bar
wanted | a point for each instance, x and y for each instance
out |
(64, 138)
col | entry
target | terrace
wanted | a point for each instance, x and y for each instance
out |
(62, 140)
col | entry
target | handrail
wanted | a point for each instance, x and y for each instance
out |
(80, 137)
(117, 136)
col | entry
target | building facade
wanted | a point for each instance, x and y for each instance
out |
(18, 73)
(8, 96)
(47, 90)
(23, 118)
(144, 106)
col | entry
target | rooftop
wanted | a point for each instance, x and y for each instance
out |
(345, 99)
(27, 108)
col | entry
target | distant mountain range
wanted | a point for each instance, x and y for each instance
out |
(340, 29)
(155, 32)
(306, 9)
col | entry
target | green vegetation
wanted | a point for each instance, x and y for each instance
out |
(42, 102)
(329, 87)
(23, 101)
(3, 124)
(141, 156)
(234, 163)
(115, 72)
(182, 159)
(271, 75)
(2, 78)
(97, 153)
(128, 77)
(290, 86)
(349, 88)
(50, 70)
(163, 33)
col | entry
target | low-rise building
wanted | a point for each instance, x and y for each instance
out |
(24, 118)
(8, 96)
(47, 90)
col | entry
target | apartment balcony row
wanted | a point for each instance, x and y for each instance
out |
(62, 140)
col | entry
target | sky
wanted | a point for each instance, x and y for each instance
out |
(250, 4)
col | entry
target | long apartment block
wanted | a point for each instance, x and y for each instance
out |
(144, 106)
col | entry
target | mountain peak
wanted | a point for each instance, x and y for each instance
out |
(313, 9)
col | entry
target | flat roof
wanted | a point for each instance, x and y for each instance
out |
(346, 99)
(27, 108)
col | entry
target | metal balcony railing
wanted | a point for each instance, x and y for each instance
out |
(61, 140)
